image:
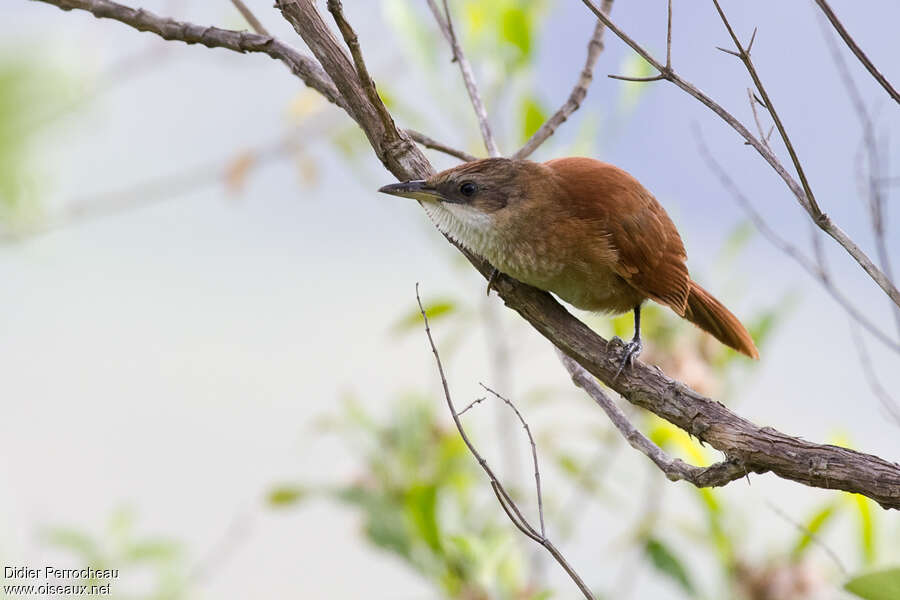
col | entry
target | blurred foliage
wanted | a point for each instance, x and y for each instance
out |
(155, 564)
(26, 93)
(879, 585)
(419, 493)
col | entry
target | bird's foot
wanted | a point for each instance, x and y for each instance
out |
(631, 351)
(491, 280)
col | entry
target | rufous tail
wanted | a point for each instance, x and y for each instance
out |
(708, 314)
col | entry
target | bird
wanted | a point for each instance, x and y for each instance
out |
(583, 229)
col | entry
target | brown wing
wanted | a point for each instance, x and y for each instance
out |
(651, 256)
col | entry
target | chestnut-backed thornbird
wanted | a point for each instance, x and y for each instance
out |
(582, 229)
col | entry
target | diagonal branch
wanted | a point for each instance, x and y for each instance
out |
(854, 47)
(744, 54)
(876, 193)
(212, 37)
(352, 40)
(251, 19)
(578, 94)
(674, 469)
(445, 23)
(820, 219)
(421, 138)
(812, 267)
(394, 148)
(758, 448)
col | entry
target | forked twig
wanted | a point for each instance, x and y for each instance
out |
(821, 220)
(506, 502)
(674, 469)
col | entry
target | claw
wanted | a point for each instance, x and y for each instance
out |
(632, 351)
(491, 279)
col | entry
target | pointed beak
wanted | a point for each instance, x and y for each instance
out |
(417, 188)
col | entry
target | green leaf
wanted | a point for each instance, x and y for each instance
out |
(286, 495)
(71, 539)
(866, 528)
(413, 319)
(533, 116)
(421, 506)
(812, 526)
(515, 28)
(152, 551)
(879, 585)
(668, 564)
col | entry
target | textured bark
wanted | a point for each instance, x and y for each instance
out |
(757, 449)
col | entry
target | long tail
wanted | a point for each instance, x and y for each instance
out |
(708, 314)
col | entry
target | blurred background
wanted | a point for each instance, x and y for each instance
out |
(213, 375)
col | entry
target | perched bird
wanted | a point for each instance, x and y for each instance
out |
(583, 229)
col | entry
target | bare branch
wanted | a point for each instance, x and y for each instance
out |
(669, 37)
(637, 79)
(875, 192)
(251, 19)
(506, 501)
(814, 267)
(854, 47)
(394, 148)
(822, 221)
(744, 54)
(350, 38)
(758, 448)
(534, 458)
(421, 138)
(578, 94)
(675, 469)
(212, 37)
(445, 22)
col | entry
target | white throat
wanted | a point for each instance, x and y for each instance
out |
(469, 227)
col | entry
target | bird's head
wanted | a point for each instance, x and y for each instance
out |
(483, 186)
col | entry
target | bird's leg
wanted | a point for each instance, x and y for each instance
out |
(491, 279)
(634, 347)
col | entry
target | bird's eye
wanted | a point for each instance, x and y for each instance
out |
(468, 189)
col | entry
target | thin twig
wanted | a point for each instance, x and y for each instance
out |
(534, 458)
(875, 192)
(809, 265)
(674, 469)
(505, 500)
(251, 19)
(421, 138)
(352, 40)
(759, 127)
(471, 404)
(578, 94)
(822, 221)
(854, 47)
(811, 535)
(887, 401)
(744, 55)
(445, 23)
(637, 79)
